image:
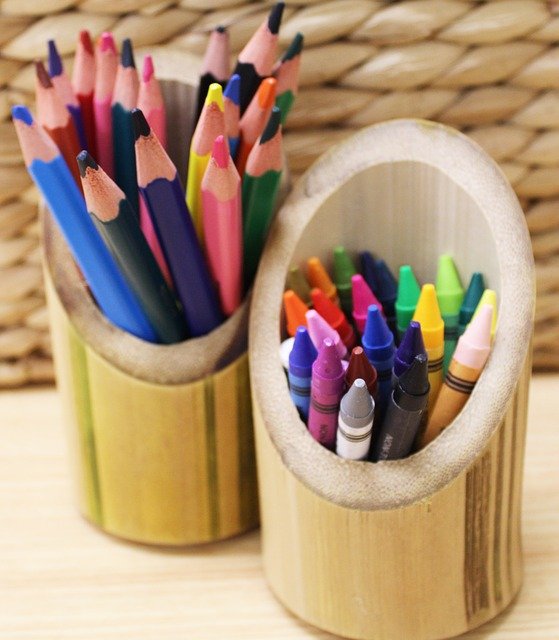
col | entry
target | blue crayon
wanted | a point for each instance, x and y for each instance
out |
(387, 292)
(233, 92)
(411, 346)
(378, 345)
(299, 373)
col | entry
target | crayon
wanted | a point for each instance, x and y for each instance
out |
(295, 310)
(301, 359)
(343, 270)
(450, 295)
(319, 330)
(410, 346)
(107, 65)
(471, 300)
(334, 316)
(369, 269)
(360, 367)
(387, 292)
(363, 298)
(232, 113)
(428, 315)
(489, 297)
(355, 422)
(327, 386)
(378, 345)
(404, 414)
(296, 280)
(318, 277)
(465, 368)
(215, 66)
(406, 300)
(287, 74)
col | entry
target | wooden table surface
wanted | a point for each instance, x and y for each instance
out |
(60, 578)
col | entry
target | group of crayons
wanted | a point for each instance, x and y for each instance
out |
(161, 264)
(386, 401)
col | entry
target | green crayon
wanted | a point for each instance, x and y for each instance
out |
(406, 301)
(450, 295)
(343, 270)
(471, 300)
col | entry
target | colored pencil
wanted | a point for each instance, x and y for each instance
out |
(63, 86)
(215, 66)
(83, 83)
(150, 103)
(256, 60)
(53, 178)
(231, 99)
(56, 120)
(113, 216)
(209, 127)
(107, 64)
(260, 189)
(255, 119)
(287, 74)
(223, 225)
(125, 97)
(161, 188)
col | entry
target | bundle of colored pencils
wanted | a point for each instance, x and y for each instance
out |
(161, 264)
(359, 394)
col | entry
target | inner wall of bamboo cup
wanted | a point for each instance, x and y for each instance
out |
(408, 191)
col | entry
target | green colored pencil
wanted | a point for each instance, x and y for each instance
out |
(287, 75)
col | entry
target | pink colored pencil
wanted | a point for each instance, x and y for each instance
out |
(222, 220)
(83, 83)
(150, 102)
(107, 64)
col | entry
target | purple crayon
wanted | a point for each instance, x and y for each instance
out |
(319, 329)
(363, 297)
(411, 346)
(327, 388)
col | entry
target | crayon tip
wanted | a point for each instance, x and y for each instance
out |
(318, 277)
(42, 75)
(449, 289)
(368, 269)
(221, 29)
(54, 60)
(303, 353)
(489, 297)
(415, 381)
(410, 346)
(215, 94)
(362, 295)
(267, 93)
(376, 333)
(85, 161)
(147, 69)
(107, 42)
(360, 367)
(294, 48)
(387, 287)
(343, 265)
(127, 54)
(357, 402)
(408, 287)
(428, 314)
(295, 310)
(20, 112)
(274, 19)
(233, 89)
(272, 126)
(297, 281)
(472, 297)
(320, 329)
(220, 152)
(328, 363)
(140, 124)
(478, 332)
(85, 39)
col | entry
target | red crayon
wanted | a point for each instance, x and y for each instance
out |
(334, 316)
(363, 297)
(360, 367)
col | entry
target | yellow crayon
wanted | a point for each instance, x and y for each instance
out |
(210, 125)
(488, 297)
(428, 314)
(318, 278)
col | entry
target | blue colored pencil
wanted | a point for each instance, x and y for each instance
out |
(231, 105)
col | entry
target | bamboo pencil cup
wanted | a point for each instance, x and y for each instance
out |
(429, 546)
(160, 436)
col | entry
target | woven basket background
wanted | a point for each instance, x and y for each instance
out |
(489, 68)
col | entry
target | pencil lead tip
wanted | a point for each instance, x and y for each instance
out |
(85, 39)
(107, 43)
(140, 124)
(215, 94)
(84, 161)
(220, 152)
(267, 93)
(127, 54)
(221, 29)
(233, 89)
(54, 59)
(294, 48)
(272, 126)
(21, 112)
(147, 70)
(42, 75)
(274, 19)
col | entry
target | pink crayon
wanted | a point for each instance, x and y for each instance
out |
(107, 63)
(319, 329)
(362, 297)
(327, 388)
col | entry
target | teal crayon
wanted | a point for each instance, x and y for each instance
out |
(471, 300)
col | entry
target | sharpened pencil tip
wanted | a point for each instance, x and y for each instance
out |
(267, 93)
(127, 54)
(294, 48)
(85, 39)
(107, 42)
(220, 152)
(42, 75)
(140, 124)
(84, 161)
(55, 61)
(147, 70)
(272, 126)
(233, 89)
(221, 29)
(274, 19)
(21, 112)
(215, 94)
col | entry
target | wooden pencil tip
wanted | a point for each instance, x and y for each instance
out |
(84, 161)
(55, 61)
(21, 112)
(294, 48)
(85, 39)
(220, 152)
(233, 89)
(42, 75)
(221, 29)
(140, 124)
(274, 19)
(107, 43)
(127, 54)
(267, 93)
(147, 70)
(272, 125)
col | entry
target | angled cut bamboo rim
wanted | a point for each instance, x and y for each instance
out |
(394, 484)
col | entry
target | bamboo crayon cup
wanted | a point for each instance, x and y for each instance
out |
(429, 546)
(160, 436)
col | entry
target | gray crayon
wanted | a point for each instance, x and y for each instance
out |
(355, 422)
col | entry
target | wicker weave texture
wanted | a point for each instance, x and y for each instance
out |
(487, 68)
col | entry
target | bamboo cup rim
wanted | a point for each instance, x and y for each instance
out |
(392, 484)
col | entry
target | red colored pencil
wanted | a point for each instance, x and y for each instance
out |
(107, 63)
(83, 83)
